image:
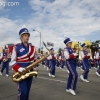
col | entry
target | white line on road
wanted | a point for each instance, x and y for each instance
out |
(52, 79)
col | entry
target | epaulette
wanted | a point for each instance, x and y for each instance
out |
(17, 44)
(65, 48)
(30, 44)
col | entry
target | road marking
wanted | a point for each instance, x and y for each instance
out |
(52, 79)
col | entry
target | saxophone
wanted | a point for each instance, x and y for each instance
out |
(19, 76)
(6, 59)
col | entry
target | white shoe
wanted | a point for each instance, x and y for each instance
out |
(82, 77)
(95, 68)
(0, 73)
(44, 66)
(86, 80)
(89, 69)
(68, 71)
(67, 90)
(97, 74)
(7, 75)
(82, 70)
(72, 92)
(98, 66)
(47, 68)
(49, 74)
(53, 75)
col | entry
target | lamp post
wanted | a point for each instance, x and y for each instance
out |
(40, 38)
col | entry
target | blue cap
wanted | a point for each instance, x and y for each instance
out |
(5, 47)
(83, 45)
(51, 49)
(23, 30)
(67, 40)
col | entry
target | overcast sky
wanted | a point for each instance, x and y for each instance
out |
(55, 19)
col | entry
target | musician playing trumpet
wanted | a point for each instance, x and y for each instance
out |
(22, 56)
(85, 62)
(5, 61)
(98, 59)
(52, 58)
(71, 65)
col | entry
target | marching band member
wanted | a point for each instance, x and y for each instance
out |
(95, 61)
(0, 58)
(52, 63)
(85, 61)
(71, 64)
(62, 60)
(23, 55)
(57, 60)
(5, 61)
(48, 63)
(98, 58)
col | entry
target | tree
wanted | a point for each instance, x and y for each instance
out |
(59, 50)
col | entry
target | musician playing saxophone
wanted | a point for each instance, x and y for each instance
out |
(23, 55)
(5, 61)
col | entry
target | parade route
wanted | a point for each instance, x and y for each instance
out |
(49, 88)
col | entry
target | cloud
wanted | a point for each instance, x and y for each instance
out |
(9, 30)
(55, 19)
(73, 18)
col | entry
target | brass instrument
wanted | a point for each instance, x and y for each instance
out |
(77, 48)
(19, 76)
(89, 52)
(6, 59)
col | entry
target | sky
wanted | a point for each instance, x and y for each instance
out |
(78, 20)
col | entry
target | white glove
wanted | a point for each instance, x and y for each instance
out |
(89, 54)
(75, 54)
(21, 69)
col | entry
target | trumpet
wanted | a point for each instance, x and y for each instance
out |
(77, 50)
(90, 52)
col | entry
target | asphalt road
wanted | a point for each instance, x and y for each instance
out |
(48, 88)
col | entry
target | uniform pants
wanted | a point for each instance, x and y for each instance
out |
(57, 63)
(24, 88)
(73, 76)
(99, 67)
(86, 67)
(52, 68)
(62, 64)
(47, 63)
(5, 65)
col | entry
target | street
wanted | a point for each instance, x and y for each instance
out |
(49, 88)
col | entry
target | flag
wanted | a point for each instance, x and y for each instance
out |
(50, 44)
